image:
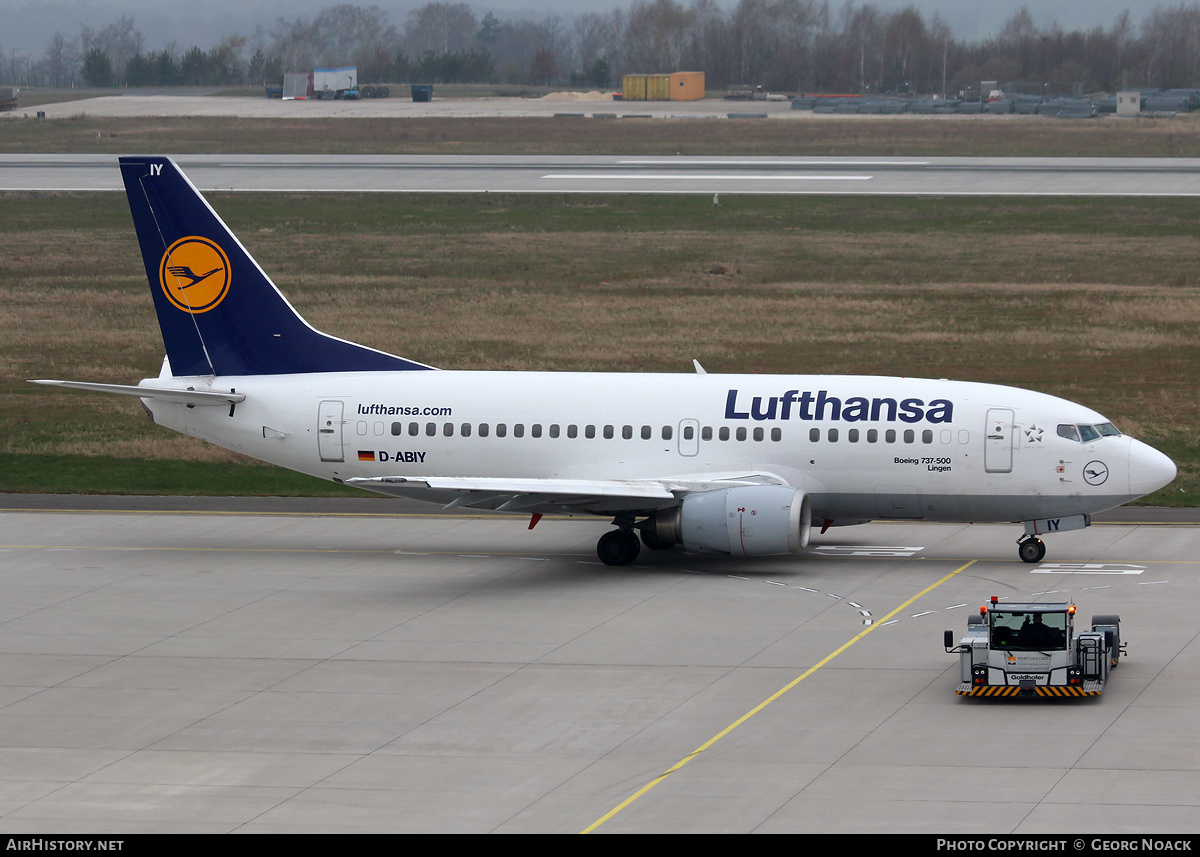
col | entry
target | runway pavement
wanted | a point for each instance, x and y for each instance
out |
(328, 666)
(944, 176)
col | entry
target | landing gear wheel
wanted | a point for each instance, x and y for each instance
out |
(1032, 550)
(618, 547)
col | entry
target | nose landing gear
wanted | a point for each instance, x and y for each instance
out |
(1031, 549)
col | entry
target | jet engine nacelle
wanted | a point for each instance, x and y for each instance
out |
(749, 521)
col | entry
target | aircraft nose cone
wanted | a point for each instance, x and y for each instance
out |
(1149, 469)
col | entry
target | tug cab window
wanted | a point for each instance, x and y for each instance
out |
(1028, 630)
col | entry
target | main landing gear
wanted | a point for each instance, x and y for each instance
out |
(618, 547)
(1031, 549)
(622, 545)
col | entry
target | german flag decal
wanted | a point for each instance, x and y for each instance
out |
(366, 455)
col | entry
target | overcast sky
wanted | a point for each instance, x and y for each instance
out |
(27, 25)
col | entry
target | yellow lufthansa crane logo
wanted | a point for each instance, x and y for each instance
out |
(194, 274)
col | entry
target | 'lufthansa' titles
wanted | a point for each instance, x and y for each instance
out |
(797, 405)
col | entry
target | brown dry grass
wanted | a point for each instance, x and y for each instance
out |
(1110, 323)
(821, 135)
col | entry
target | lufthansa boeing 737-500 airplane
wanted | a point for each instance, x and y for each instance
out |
(732, 464)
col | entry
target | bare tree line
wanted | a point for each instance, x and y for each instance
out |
(782, 45)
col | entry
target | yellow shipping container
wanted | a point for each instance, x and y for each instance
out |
(633, 87)
(687, 86)
(658, 87)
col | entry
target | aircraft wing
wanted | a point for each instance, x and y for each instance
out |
(593, 496)
(170, 394)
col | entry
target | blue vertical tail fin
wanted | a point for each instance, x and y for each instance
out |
(219, 313)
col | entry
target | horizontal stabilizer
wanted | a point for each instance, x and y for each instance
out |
(168, 394)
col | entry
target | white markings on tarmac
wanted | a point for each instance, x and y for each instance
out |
(773, 162)
(1088, 568)
(774, 177)
(829, 551)
(869, 550)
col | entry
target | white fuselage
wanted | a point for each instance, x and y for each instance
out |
(861, 447)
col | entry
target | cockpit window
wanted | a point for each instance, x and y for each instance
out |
(1086, 433)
